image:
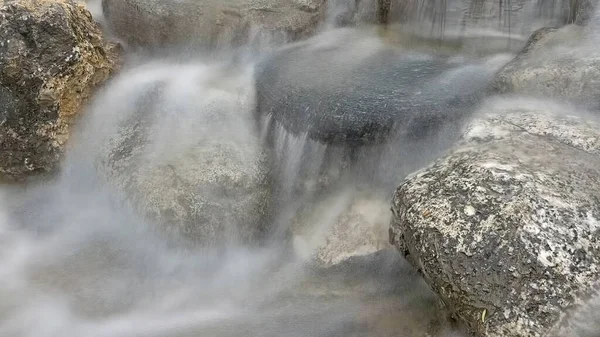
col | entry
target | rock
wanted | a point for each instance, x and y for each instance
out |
(350, 13)
(505, 228)
(202, 23)
(348, 87)
(480, 23)
(340, 227)
(181, 152)
(557, 63)
(582, 11)
(52, 57)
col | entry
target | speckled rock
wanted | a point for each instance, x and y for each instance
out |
(506, 227)
(174, 140)
(558, 63)
(52, 56)
(342, 226)
(189, 23)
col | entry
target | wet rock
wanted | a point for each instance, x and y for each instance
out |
(506, 227)
(181, 152)
(349, 87)
(359, 231)
(52, 56)
(189, 23)
(481, 24)
(582, 11)
(557, 63)
(342, 226)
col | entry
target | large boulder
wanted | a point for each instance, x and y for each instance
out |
(52, 57)
(558, 63)
(174, 140)
(349, 87)
(505, 228)
(208, 23)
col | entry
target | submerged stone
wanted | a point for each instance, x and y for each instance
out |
(185, 161)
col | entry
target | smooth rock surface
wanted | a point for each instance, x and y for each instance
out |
(556, 63)
(349, 87)
(506, 227)
(209, 23)
(52, 57)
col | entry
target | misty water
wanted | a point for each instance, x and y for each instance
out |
(77, 258)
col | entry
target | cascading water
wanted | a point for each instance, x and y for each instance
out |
(78, 257)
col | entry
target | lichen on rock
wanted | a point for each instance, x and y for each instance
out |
(556, 63)
(52, 57)
(505, 228)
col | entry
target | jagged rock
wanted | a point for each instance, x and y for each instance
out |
(505, 228)
(349, 87)
(195, 23)
(52, 56)
(557, 63)
(179, 148)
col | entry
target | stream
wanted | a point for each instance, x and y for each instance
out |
(78, 258)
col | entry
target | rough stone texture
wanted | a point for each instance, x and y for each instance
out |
(350, 87)
(506, 227)
(175, 140)
(341, 226)
(52, 56)
(558, 63)
(211, 193)
(201, 23)
(359, 231)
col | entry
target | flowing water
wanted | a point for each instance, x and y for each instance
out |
(77, 258)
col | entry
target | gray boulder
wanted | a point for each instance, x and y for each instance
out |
(174, 140)
(350, 87)
(506, 228)
(208, 23)
(52, 57)
(558, 63)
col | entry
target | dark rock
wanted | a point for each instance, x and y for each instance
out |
(52, 56)
(208, 23)
(506, 227)
(353, 89)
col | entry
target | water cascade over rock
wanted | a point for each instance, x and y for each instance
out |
(483, 25)
(210, 180)
(233, 181)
